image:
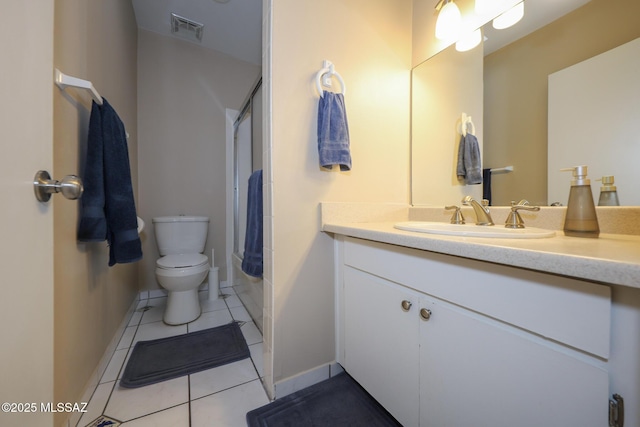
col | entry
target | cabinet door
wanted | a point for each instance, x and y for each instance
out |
(476, 371)
(381, 342)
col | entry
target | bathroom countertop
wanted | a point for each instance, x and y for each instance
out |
(611, 258)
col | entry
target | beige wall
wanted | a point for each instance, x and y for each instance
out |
(443, 88)
(370, 44)
(183, 91)
(96, 41)
(516, 89)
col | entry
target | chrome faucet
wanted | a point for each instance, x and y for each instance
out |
(483, 216)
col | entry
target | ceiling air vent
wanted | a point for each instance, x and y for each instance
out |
(186, 28)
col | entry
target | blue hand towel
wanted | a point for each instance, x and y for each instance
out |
(93, 223)
(252, 260)
(469, 166)
(333, 132)
(122, 236)
(109, 213)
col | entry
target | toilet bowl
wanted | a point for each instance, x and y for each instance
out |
(181, 275)
(182, 267)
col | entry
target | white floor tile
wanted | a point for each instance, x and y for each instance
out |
(155, 330)
(221, 378)
(135, 318)
(173, 417)
(221, 396)
(126, 404)
(211, 305)
(240, 313)
(156, 312)
(229, 407)
(233, 301)
(251, 333)
(256, 356)
(127, 337)
(115, 365)
(97, 403)
(210, 319)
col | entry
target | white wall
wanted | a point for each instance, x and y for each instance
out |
(370, 44)
(593, 121)
(183, 92)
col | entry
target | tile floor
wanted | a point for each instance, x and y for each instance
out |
(216, 397)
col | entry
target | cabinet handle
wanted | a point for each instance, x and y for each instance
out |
(406, 305)
(425, 314)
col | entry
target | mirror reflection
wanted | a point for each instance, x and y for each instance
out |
(511, 117)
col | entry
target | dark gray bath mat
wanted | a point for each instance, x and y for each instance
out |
(336, 402)
(167, 358)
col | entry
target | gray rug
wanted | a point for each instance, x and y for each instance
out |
(167, 358)
(336, 402)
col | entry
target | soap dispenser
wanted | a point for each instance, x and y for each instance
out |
(580, 219)
(608, 192)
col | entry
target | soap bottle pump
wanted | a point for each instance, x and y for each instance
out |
(608, 192)
(580, 219)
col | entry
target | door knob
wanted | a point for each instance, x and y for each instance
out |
(406, 305)
(70, 186)
(425, 314)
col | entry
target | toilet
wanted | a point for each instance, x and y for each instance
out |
(182, 266)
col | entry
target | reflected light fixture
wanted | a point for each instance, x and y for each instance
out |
(469, 41)
(510, 17)
(449, 20)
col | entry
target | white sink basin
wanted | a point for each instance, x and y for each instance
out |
(472, 230)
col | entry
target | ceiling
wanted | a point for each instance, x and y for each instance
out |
(234, 28)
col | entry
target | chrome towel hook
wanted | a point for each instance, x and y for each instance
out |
(70, 186)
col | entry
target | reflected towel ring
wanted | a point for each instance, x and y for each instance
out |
(330, 69)
(465, 122)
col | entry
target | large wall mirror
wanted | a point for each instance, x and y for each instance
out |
(506, 93)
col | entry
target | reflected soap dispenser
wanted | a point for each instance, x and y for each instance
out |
(580, 219)
(608, 192)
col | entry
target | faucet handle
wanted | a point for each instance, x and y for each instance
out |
(514, 220)
(457, 217)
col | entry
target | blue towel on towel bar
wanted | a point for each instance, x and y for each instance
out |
(333, 132)
(469, 166)
(109, 212)
(252, 259)
(93, 222)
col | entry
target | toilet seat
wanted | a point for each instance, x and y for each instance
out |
(170, 262)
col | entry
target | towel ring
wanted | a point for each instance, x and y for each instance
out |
(332, 72)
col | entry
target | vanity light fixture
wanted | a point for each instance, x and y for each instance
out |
(469, 41)
(510, 17)
(449, 20)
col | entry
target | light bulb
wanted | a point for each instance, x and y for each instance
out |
(469, 41)
(510, 17)
(448, 23)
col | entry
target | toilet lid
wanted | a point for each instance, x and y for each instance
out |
(182, 261)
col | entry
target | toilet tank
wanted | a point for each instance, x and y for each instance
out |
(181, 234)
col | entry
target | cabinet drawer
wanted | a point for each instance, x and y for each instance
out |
(573, 312)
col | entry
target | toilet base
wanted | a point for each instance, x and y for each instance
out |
(182, 307)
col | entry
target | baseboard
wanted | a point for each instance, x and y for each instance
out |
(306, 379)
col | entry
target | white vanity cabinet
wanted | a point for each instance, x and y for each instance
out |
(498, 346)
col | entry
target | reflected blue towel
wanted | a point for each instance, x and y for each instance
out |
(469, 166)
(109, 212)
(252, 259)
(333, 132)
